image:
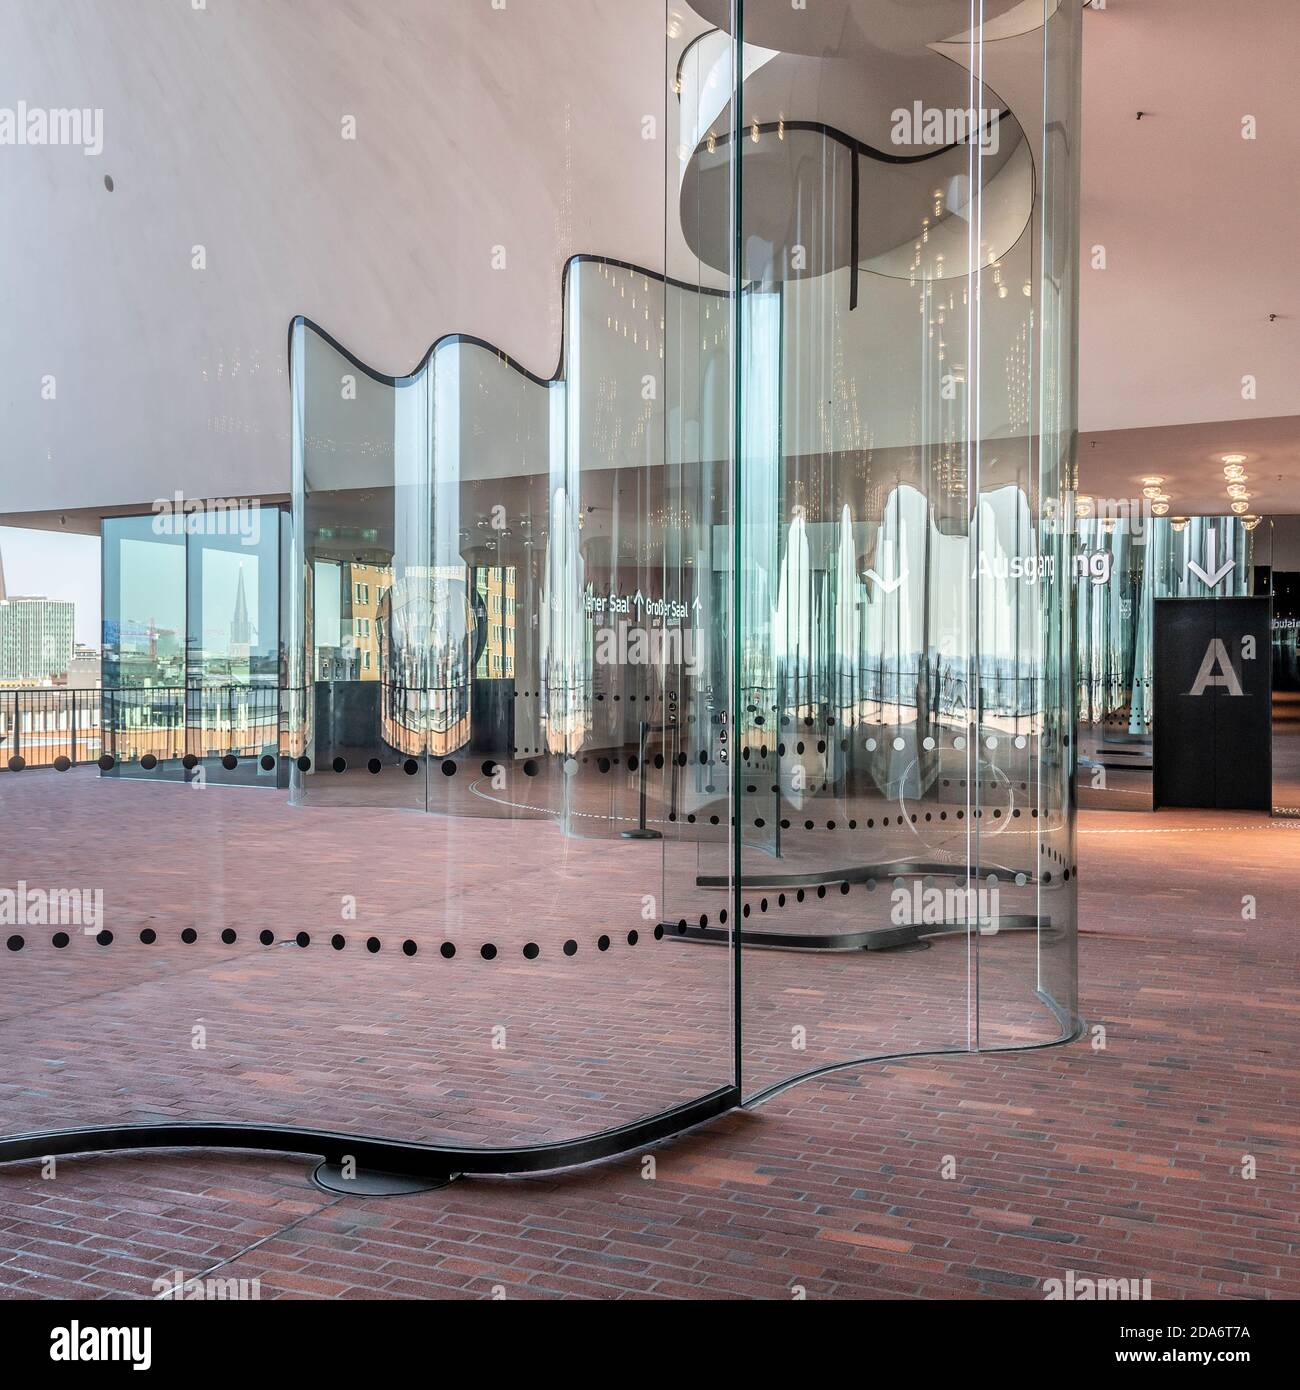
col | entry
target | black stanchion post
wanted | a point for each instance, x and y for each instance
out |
(641, 833)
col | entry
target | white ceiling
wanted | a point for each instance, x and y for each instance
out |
(477, 127)
(1201, 230)
(222, 128)
(1112, 463)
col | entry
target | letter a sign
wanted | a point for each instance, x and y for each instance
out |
(1216, 669)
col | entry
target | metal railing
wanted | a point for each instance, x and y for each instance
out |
(49, 727)
(40, 726)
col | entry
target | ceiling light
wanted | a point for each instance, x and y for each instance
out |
(1179, 523)
(1160, 508)
(1237, 490)
(1235, 472)
(1234, 458)
(1250, 522)
(1083, 506)
(1152, 482)
(1240, 507)
(1150, 492)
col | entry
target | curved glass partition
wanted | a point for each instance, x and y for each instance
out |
(647, 735)
(905, 225)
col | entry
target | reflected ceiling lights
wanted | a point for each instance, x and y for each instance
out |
(1235, 484)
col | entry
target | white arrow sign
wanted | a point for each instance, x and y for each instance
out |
(888, 585)
(1210, 575)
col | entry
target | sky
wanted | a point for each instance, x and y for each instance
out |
(56, 566)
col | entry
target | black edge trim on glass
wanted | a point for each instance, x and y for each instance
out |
(452, 339)
(861, 873)
(1070, 1032)
(862, 939)
(384, 1155)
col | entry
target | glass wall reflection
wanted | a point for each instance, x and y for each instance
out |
(825, 674)
(191, 641)
(663, 723)
(1129, 559)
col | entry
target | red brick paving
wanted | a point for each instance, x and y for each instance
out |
(1124, 1161)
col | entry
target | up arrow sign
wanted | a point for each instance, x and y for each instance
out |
(1210, 575)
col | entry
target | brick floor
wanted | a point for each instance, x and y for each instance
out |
(955, 1175)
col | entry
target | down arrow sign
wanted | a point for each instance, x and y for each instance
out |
(1210, 575)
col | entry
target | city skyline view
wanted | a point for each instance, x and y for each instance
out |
(55, 566)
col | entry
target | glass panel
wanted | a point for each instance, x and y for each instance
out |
(1024, 849)
(144, 626)
(1276, 571)
(232, 706)
(907, 433)
(743, 630)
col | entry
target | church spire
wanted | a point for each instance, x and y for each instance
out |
(241, 632)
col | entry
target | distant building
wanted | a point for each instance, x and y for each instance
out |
(85, 671)
(36, 637)
(495, 586)
(361, 596)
